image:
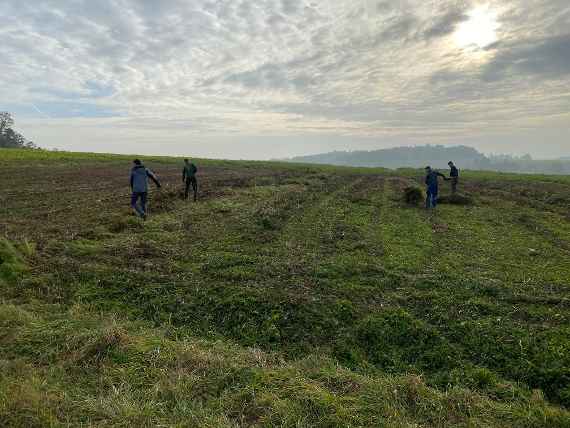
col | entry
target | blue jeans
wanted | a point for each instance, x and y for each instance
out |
(431, 199)
(141, 210)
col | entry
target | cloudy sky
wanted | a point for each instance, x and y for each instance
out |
(271, 78)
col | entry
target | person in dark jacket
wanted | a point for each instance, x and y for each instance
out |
(139, 187)
(432, 185)
(189, 178)
(454, 176)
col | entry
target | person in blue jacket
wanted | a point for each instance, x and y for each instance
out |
(432, 185)
(139, 187)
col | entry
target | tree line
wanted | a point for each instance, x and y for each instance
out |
(10, 138)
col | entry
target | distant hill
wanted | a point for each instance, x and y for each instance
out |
(437, 156)
(400, 157)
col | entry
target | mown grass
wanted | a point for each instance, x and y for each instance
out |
(79, 367)
(289, 295)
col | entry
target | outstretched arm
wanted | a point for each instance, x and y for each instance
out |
(151, 175)
(442, 176)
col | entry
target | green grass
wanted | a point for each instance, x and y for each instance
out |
(289, 295)
(12, 263)
(80, 367)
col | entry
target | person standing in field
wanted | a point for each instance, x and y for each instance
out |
(454, 176)
(189, 178)
(139, 187)
(432, 185)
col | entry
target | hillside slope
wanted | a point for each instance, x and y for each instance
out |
(437, 156)
(287, 296)
(401, 157)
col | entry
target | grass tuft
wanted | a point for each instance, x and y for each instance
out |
(12, 263)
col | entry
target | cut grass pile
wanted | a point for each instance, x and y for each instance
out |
(413, 195)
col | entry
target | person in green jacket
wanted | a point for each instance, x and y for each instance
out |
(189, 178)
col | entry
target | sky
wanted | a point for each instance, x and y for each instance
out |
(260, 79)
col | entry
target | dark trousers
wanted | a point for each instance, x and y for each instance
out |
(194, 183)
(431, 197)
(454, 181)
(140, 209)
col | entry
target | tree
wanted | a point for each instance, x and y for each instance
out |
(9, 137)
(6, 121)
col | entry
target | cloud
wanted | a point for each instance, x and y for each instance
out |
(285, 67)
(445, 24)
(545, 58)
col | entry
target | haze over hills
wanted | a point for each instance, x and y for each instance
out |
(438, 157)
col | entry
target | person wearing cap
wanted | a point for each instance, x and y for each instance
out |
(189, 178)
(453, 176)
(432, 185)
(139, 187)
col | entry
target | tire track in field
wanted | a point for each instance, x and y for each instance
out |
(539, 219)
(311, 223)
(232, 238)
(488, 244)
(249, 238)
(326, 236)
(403, 230)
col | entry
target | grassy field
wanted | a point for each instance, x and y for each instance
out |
(287, 296)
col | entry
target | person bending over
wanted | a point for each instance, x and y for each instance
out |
(432, 186)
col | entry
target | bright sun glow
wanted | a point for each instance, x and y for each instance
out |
(479, 31)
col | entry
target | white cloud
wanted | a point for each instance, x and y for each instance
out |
(129, 71)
